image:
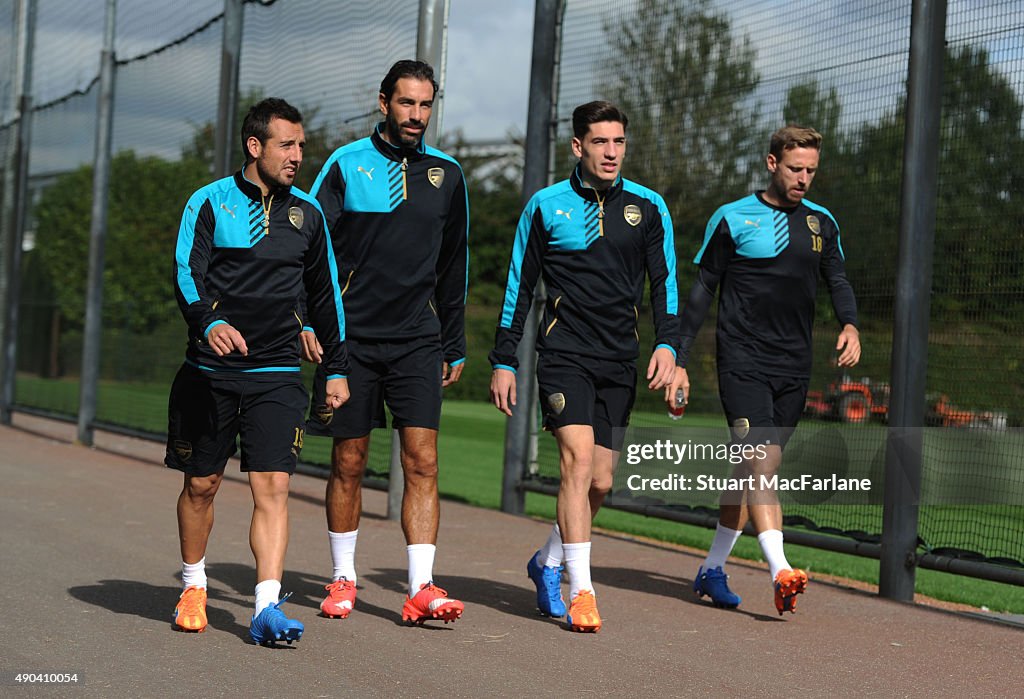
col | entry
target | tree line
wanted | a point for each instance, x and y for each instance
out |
(689, 85)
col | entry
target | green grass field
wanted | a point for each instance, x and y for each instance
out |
(471, 450)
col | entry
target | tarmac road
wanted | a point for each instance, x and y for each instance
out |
(90, 573)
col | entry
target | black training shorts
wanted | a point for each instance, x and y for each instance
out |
(207, 412)
(585, 391)
(762, 409)
(405, 375)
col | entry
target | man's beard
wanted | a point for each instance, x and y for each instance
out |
(394, 129)
(272, 181)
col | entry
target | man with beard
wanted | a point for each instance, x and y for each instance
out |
(767, 250)
(248, 247)
(398, 214)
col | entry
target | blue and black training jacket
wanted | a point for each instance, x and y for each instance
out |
(230, 269)
(592, 250)
(399, 222)
(768, 260)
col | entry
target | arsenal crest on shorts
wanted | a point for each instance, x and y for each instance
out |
(741, 427)
(435, 176)
(183, 449)
(324, 413)
(556, 401)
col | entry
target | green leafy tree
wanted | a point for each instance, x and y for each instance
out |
(979, 250)
(495, 203)
(807, 105)
(687, 84)
(147, 196)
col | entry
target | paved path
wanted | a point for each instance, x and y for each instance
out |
(90, 565)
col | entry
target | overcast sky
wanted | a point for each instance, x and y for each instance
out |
(484, 35)
(328, 57)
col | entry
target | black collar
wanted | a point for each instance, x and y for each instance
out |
(588, 192)
(252, 190)
(784, 209)
(393, 152)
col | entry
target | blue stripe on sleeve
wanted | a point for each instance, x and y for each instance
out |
(183, 247)
(515, 266)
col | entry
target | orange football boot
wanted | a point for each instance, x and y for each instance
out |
(583, 614)
(341, 598)
(789, 584)
(431, 602)
(190, 614)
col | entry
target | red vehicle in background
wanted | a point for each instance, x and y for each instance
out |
(850, 401)
(856, 402)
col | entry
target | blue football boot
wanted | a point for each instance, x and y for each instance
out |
(549, 586)
(272, 625)
(714, 584)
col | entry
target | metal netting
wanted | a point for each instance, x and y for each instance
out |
(705, 84)
(325, 58)
(8, 116)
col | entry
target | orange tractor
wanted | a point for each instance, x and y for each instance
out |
(850, 401)
(855, 402)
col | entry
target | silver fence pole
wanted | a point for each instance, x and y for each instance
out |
(17, 186)
(432, 48)
(536, 173)
(396, 478)
(898, 566)
(226, 141)
(92, 340)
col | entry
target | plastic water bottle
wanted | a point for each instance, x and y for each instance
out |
(677, 410)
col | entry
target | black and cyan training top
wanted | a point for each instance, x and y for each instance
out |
(768, 260)
(399, 222)
(231, 269)
(592, 249)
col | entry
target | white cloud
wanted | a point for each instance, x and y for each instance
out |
(488, 67)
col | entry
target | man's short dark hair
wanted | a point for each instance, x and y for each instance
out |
(257, 121)
(594, 112)
(406, 69)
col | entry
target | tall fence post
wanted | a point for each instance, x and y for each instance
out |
(17, 204)
(226, 142)
(432, 48)
(536, 171)
(898, 566)
(93, 332)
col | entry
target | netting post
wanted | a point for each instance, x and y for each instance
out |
(92, 335)
(227, 104)
(918, 205)
(432, 48)
(535, 176)
(16, 202)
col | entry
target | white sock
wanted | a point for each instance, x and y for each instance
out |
(193, 574)
(771, 547)
(551, 552)
(267, 593)
(577, 564)
(421, 566)
(721, 546)
(343, 554)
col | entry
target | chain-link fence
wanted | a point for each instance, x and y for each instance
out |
(704, 84)
(326, 58)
